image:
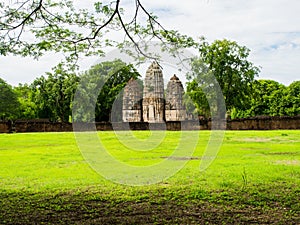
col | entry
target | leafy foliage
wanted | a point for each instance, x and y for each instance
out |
(8, 101)
(99, 88)
(27, 109)
(293, 99)
(197, 83)
(271, 98)
(228, 63)
(53, 95)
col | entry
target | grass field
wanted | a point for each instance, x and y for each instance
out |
(255, 179)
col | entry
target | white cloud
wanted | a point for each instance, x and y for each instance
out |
(271, 29)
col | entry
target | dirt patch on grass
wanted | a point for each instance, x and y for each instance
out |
(256, 139)
(267, 140)
(180, 158)
(288, 162)
(283, 153)
(255, 148)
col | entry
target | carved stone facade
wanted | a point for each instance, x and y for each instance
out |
(152, 105)
(132, 102)
(153, 95)
(175, 110)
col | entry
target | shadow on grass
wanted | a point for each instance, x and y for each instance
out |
(190, 207)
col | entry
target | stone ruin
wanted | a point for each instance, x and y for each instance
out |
(152, 105)
(132, 101)
(174, 108)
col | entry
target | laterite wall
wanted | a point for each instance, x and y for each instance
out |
(255, 123)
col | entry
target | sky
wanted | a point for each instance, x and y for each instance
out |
(269, 28)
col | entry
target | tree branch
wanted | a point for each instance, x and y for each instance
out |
(30, 15)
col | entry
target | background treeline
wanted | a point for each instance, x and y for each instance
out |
(51, 96)
(271, 98)
(224, 61)
(268, 98)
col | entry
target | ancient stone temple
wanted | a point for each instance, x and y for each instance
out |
(153, 95)
(174, 108)
(132, 102)
(152, 105)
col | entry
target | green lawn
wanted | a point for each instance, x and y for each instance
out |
(254, 179)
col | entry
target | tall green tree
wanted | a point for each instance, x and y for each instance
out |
(27, 109)
(8, 101)
(291, 100)
(266, 100)
(197, 82)
(111, 77)
(53, 94)
(228, 62)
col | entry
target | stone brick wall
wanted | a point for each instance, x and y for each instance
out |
(5, 127)
(29, 126)
(265, 123)
(256, 123)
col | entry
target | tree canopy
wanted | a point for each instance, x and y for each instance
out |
(54, 93)
(99, 87)
(228, 62)
(52, 96)
(271, 98)
(28, 107)
(8, 101)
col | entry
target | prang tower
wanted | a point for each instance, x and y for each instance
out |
(174, 108)
(153, 96)
(132, 101)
